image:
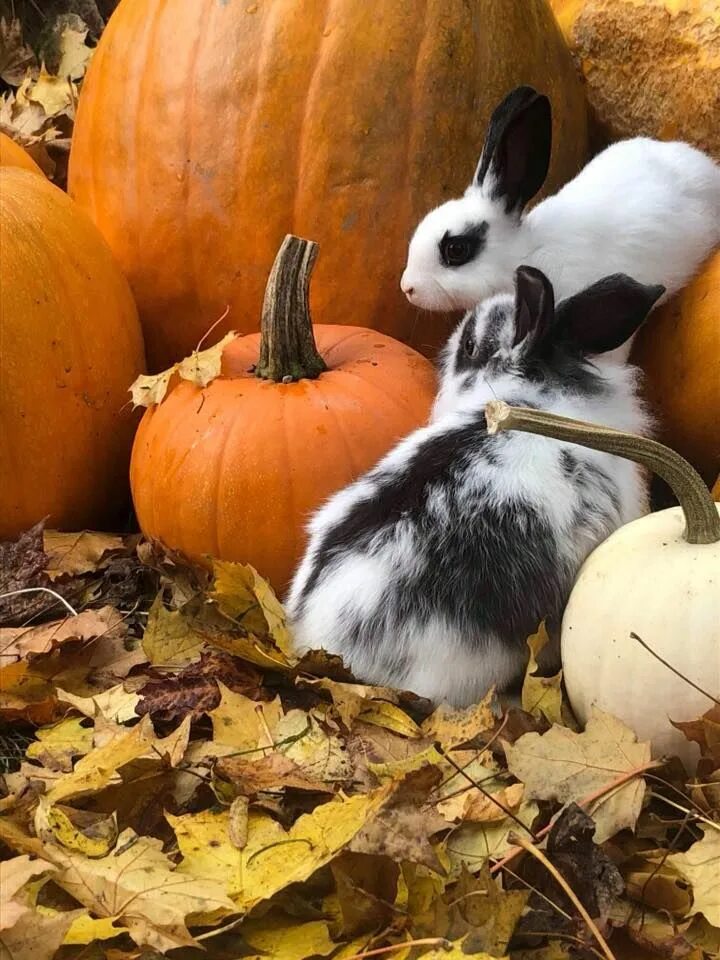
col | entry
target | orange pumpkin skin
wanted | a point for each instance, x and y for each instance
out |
(13, 155)
(236, 469)
(679, 350)
(716, 489)
(342, 122)
(71, 346)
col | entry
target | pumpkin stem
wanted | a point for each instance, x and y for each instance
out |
(702, 521)
(287, 345)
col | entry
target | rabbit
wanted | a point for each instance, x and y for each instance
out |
(641, 207)
(431, 570)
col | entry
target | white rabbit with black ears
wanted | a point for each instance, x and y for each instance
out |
(431, 570)
(641, 207)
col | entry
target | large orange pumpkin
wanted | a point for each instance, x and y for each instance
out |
(71, 346)
(234, 469)
(206, 131)
(679, 349)
(13, 155)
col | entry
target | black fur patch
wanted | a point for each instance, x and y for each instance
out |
(517, 147)
(476, 358)
(488, 570)
(457, 249)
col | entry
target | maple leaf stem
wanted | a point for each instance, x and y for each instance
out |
(562, 882)
(395, 947)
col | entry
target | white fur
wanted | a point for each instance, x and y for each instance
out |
(642, 207)
(427, 654)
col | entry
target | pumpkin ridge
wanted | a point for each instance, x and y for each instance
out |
(189, 182)
(397, 403)
(339, 432)
(312, 83)
(412, 125)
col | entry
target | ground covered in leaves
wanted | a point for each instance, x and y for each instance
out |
(176, 781)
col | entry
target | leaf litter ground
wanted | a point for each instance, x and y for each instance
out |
(177, 782)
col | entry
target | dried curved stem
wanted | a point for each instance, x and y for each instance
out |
(701, 516)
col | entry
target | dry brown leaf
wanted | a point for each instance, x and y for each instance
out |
(35, 937)
(149, 389)
(77, 553)
(74, 53)
(16, 57)
(474, 806)
(199, 368)
(17, 643)
(274, 772)
(14, 874)
(568, 767)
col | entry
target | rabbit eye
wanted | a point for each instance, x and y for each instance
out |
(460, 248)
(471, 348)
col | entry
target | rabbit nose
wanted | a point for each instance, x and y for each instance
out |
(406, 286)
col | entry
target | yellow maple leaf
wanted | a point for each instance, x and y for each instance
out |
(58, 743)
(116, 704)
(77, 553)
(700, 865)
(170, 638)
(282, 939)
(14, 874)
(541, 696)
(246, 724)
(241, 593)
(149, 389)
(203, 366)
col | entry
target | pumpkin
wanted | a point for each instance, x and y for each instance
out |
(632, 53)
(206, 131)
(234, 468)
(716, 489)
(679, 350)
(71, 345)
(13, 155)
(645, 606)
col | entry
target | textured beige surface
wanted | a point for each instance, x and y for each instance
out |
(652, 66)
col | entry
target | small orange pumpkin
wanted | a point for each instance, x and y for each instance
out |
(13, 155)
(716, 489)
(235, 468)
(71, 345)
(679, 350)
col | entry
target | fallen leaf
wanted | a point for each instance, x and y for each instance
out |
(567, 767)
(243, 723)
(17, 643)
(194, 690)
(117, 704)
(238, 822)
(77, 553)
(592, 876)
(74, 53)
(541, 696)
(35, 937)
(474, 806)
(473, 844)
(321, 755)
(700, 865)
(485, 913)
(100, 767)
(271, 773)
(139, 885)
(282, 938)
(243, 595)
(16, 57)
(149, 389)
(706, 733)
(14, 874)
(203, 366)
(93, 835)
(170, 639)
(402, 828)
(454, 728)
(57, 745)
(56, 95)
(22, 566)
(24, 695)
(366, 889)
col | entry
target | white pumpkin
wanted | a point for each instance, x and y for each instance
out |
(657, 578)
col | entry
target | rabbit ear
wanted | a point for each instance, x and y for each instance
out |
(534, 305)
(606, 314)
(516, 155)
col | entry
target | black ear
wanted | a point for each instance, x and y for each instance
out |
(534, 304)
(605, 315)
(516, 155)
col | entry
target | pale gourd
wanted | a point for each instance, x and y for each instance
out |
(656, 579)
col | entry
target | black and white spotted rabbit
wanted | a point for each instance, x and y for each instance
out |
(431, 570)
